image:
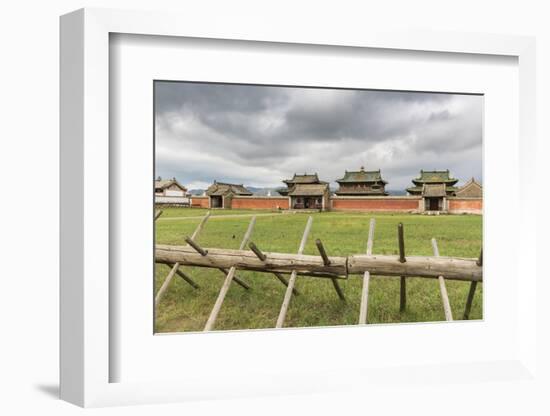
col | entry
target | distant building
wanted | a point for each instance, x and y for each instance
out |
(220, 194)
(434, 186)
(299, 180)
(306, 192)
(362, 182)
(433, 177)
(471, 189)
(170, 192)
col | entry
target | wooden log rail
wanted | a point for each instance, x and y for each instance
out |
(452, 268)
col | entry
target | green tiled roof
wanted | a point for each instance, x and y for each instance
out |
(362, 175)
(434, 176)
(434, 189)
(305, 178)
(308, 190)
(417, 190)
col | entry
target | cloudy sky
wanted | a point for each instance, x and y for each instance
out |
(259, 135)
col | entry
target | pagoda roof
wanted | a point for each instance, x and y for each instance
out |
(435, 176)
(434, 189)
(222, 188)
(362, 175)
(305, 178)
(417, 190)
(309, 189)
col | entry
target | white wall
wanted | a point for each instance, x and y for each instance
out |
(29, 154)
(171, 200)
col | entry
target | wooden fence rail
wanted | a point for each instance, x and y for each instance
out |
(453, 268)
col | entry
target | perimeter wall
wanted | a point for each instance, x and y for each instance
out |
(465, 205)
(383, 203)
(412, 204)
(199, 201)
(260, 202)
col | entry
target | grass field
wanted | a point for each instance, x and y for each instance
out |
(186, 309)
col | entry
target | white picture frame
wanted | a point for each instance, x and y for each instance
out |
(85, 212)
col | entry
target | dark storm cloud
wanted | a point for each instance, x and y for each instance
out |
(260, 135)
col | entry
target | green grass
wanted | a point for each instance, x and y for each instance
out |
(186, 309)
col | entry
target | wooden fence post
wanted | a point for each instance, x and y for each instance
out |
(227, 282)
(326, 262)
(470, 300)
(204, 253)
(292, 280)
(402, 259)
(366, 277)
(472, 291)
(263, 258)
(175, 268)
(442, 287)
(199, 249)
(167, 281)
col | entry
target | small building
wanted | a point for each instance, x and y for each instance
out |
(434, 186)
(362, 183)
(220, 194)
(306, 192)
(170, 192)
(310, 196)
(471, 189)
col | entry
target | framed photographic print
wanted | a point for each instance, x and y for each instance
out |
(221, 155)
(237, 208)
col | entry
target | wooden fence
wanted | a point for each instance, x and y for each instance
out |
(335, 268)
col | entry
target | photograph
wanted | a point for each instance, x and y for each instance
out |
(281, 206)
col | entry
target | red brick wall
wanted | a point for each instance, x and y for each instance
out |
(259, 202)
(199, 201)
(466, 205)
(376, 204)
(403, 204)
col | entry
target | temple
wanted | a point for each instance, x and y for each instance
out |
(362, 182)
(433, 177)
(434, 186)
(306, 192)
